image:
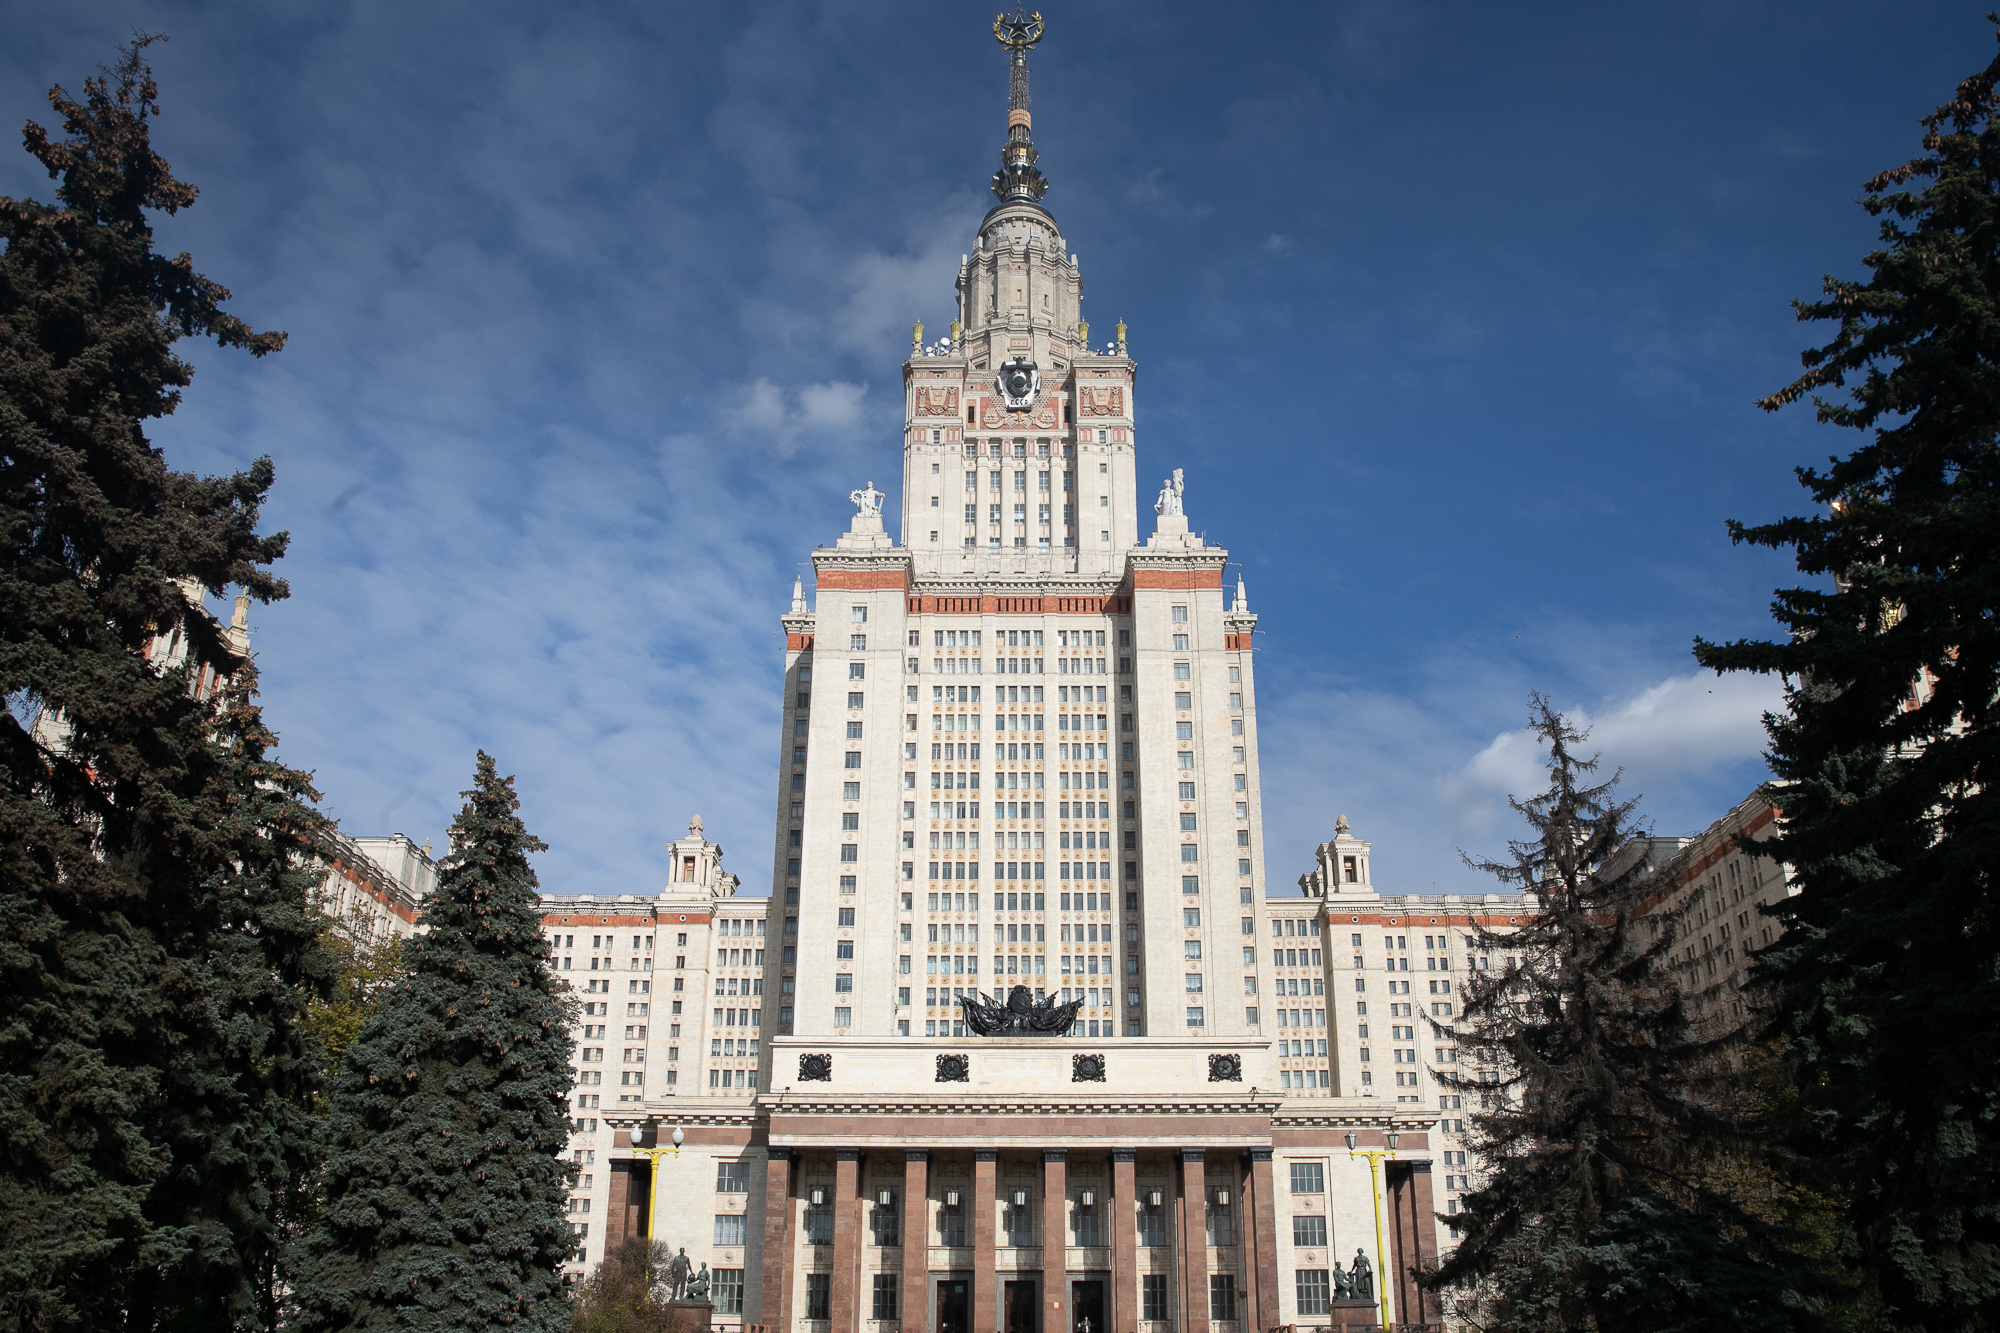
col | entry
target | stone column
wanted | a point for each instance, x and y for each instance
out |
(1412, 1239)
(1194, 1242)
(1122, 1313)
(985, 1172)
(1055, 1241)
(916, 1240)
(846, 1238)
(774, 1308)
(617, 1221)
(1262, 1218)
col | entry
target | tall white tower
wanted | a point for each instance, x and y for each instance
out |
(1019, 745)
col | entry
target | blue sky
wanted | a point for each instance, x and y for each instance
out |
(1453, 313)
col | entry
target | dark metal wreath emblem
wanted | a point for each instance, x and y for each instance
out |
(1019, 1015)
(816, 1069)
(954, 1069)
(1225, 1069)
(1086, 1069)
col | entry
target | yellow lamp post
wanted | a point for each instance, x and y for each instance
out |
(1375, 1155)
(653, 1155)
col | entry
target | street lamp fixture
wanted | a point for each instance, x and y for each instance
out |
(818, 1197)
(884, 1198)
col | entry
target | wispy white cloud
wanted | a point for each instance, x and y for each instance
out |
(1682, 728)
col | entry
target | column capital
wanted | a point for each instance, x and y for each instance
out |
(1055, 1155)
(1124, 1154)
(847, 1154)
(916, 1154)
(985, 1154)
(1260, 1154)
(1190, 1156)
(778, 1154)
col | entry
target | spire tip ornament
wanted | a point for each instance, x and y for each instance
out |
(1017, 179)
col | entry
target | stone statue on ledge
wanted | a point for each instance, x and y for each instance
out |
(1363, 1276)
(1343, 1286)
(697, 1287)
(1019, 1015)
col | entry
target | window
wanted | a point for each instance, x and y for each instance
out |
(1309, 1232)
(819, 1226)
(843, 1016)
(1191, 917)
(819, 1295)
(1019, 1221)
(847, 916)
(885, 1305)
(884, 1224)
(853, 760)
(1311, 1285)
(857, 643)
(1222, 1296)
(1196, 1016)
(1308, 1178)
(1086, 1222)
(1153, 1295)
(726, 1290)
(951, 1225)
(1152, 1224)
(732, 1178)
(729, 1228)
(1221, 1228)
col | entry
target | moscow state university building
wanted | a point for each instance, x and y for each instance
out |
(1019, 749)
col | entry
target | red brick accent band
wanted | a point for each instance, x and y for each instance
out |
(1030, 606)
(861, 580)
(1178, 579)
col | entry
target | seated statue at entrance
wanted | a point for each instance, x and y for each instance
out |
(1020, 1015)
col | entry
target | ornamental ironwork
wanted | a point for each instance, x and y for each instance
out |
(1019, 1015)
(954, 1069)
(1086, 1069)
(816, 1068)
(1225, 1069)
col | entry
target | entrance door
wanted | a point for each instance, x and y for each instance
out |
(954, 1307)
(1023, 1309)
(1086, 1307)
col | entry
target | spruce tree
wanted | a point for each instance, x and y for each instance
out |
(1597, 1210)
(443, 1188)
(1886, 982)
(145, 927)
(243, 1115)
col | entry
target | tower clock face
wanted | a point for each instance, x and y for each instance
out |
(1020, 381)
